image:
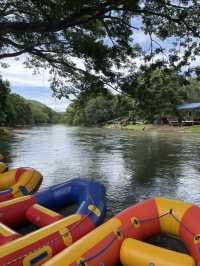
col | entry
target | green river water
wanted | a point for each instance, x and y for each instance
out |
(132, 165)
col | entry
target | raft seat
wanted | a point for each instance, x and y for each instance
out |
(7, 234)
(41, 216)
(137, 253)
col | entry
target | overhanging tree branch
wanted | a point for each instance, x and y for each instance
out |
(7, 55)
(84, 16)
(57, 31)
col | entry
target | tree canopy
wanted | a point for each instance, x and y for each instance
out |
(157, 91)
(89, 44)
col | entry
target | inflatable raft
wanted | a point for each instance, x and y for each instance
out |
(19, 182)
(56, 232)
(123, 236)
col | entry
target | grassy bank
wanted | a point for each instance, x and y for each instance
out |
(194, 129)
(158, 128)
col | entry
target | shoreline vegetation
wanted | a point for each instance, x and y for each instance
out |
(155, 128)
(18, 111)
(153, 98)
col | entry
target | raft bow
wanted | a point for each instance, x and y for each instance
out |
(56, 232)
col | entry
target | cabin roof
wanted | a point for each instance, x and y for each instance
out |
(188, 106)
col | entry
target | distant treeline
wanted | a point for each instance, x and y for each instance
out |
(95, 108)
(15, 110)
(150, 94)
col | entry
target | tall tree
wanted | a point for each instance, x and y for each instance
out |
(99, 33)
(193, 90)
(4, 95)
(19, 111)
(156, 91)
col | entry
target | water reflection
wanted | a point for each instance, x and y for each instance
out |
(133, 166)
(5, 148)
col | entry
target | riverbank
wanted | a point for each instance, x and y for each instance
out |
(5, 132)
(157, 128)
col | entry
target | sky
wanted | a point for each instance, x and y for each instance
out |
(30, 86)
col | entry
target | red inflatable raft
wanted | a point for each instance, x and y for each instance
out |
(140, 222)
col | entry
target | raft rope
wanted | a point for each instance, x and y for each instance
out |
(183, 225)
(151, 219)
(83, 262)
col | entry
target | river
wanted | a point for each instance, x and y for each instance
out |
(132, 165)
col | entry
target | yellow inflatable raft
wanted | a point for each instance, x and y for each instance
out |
(19, 182)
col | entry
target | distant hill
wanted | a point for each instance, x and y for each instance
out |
(16, 110)
(42, 113)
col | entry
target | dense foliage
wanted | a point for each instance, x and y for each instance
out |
(87, 44)
(15, 110)
(42, 113)
(154, 92)
(157, 91)
(193, 90)
(97, 110)
(4, 103)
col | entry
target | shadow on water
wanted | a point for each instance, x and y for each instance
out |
(5, 148)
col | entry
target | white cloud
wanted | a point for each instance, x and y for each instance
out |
(31, 86)
(17, 74)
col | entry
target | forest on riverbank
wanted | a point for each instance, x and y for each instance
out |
(16, 110)
(152, 93)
